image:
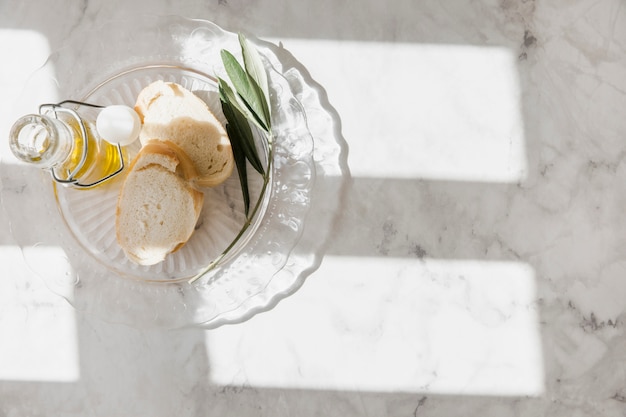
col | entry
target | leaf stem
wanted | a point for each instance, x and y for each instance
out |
(246, 224)
(246, 102)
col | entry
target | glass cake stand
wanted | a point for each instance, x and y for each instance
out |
(231, 268)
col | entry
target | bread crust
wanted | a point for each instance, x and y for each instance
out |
(184, 148)
(169, 111)
(148, 226)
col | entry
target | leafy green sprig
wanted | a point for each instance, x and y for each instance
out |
(246, 101)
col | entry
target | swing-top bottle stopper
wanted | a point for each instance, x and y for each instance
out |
(76, 150)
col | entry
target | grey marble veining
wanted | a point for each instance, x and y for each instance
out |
(477, 264)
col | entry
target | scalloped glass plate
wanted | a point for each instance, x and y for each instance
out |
(222, 229)
(244, 269)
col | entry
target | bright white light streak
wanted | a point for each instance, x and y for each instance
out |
(445, 112)
(394, 325)
(24, 53)
(38, 335)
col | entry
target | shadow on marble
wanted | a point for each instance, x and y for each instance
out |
(429, 22)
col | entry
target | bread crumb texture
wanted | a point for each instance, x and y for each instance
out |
(157, 208)
(171, 112)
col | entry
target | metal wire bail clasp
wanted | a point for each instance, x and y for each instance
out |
(71, 179)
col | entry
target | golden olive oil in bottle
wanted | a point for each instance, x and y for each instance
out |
(57, 143)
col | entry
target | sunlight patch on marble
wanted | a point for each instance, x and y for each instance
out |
(38, 332)
(28, 50)
(394, 325)
(454, 110)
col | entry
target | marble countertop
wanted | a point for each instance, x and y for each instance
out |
(477, 264)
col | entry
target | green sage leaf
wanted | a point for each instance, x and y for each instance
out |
(247, 88)
(240, 162)
(234, 99)
(255, 68)
(236, 134)
(243, 133)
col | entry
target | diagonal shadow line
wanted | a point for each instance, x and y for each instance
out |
(112, 360)
(249, 401)
(442, 214)
(429, 21)
(484, 217)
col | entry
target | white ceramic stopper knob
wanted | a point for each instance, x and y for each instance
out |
(118, 124)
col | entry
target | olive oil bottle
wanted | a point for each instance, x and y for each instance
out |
(71, 148)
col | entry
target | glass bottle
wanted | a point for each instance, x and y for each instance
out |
(60, 140)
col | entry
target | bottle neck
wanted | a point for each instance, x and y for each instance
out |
(41, 140)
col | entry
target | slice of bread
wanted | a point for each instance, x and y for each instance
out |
(170, 112)
(158, 208)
